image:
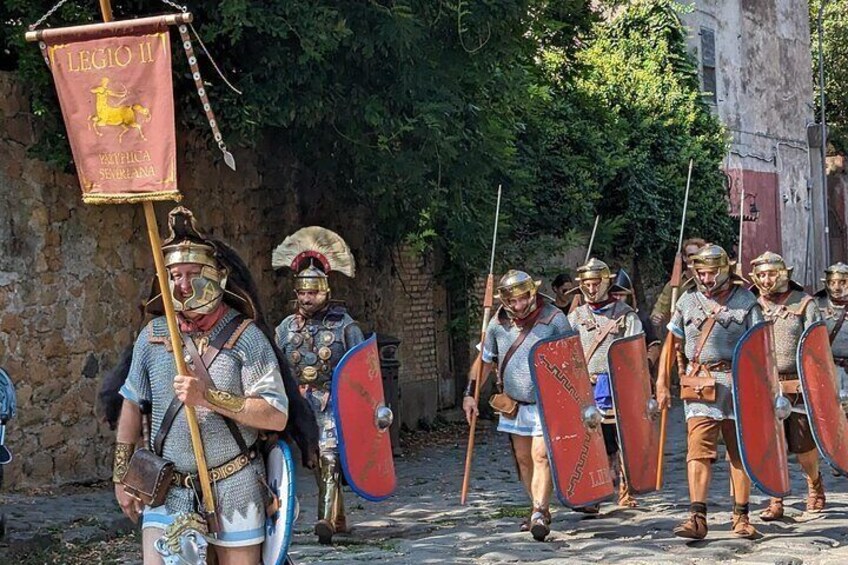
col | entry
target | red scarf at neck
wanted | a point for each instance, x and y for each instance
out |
(201, 324)
(719, 294)
(530, 318)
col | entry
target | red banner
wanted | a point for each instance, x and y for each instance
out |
(118, 104)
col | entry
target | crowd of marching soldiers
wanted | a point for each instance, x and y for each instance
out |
(715, 308)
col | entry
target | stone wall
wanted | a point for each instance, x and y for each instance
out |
(72, 277)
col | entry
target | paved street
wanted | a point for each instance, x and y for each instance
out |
(423, 522)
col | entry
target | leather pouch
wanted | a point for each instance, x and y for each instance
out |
(504, 405)
(698, 389)
(148, 477)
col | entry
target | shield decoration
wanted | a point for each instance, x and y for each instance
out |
(362, 422)
(571, 422)
(279, 469)
(636, 411)
(759, 432)
(819, 384)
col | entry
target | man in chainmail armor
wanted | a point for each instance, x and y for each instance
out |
(600, 320)
(832, 300)
(314, 339)
(791, 310)
(523, 319)
(244, 385)
(707, 323)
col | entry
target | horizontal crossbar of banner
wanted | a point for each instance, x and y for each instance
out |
(115, 28)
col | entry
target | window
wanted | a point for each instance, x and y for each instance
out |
(708, 64)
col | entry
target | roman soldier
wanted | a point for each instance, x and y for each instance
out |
(523, 319)
(235, 384)
(563, 287)
(831, 301)
(314, 339)
(707, 323)
(600, 320)
(791, 310)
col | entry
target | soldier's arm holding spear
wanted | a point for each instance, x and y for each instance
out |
(479, 370)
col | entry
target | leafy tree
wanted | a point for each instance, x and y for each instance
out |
(418, 109)
(639, 70)
(412, 108)
(835, 57)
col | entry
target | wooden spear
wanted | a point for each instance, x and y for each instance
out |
(668, 354)
(488, 301)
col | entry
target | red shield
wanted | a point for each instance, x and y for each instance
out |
(361, 414)
(821, 394)
(579, 463)
(635, 411)
(759, 432)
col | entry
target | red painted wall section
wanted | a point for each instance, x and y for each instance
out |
(764, 234)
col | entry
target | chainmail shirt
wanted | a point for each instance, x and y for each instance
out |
(739, 313)
(791, 317)
(591, 322)
(502, 333)
(247, 368)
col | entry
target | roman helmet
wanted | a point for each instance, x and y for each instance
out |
(623, 284)
(514, 284)
(770, 261)
(312, 253)
(833, 280)
(594, 270)
(711, 256)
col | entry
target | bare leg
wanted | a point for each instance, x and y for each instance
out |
(700, 474)
(815, 488)
(148, 538)
(248, 555)
(810, 463)
(541, 488)
(542, 483)
(523, 448)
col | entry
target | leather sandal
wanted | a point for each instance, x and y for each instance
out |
(540, 524)
(774, 510)
(693, 528)
(742, 527)
(815, 495)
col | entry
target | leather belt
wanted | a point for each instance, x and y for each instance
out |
(219, 473)
(787, 376)
(720, 366)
